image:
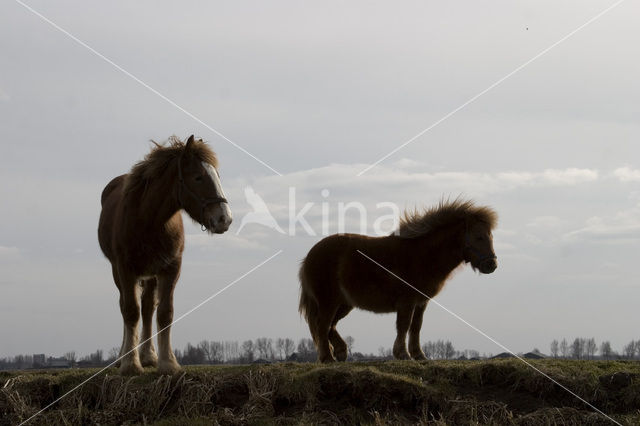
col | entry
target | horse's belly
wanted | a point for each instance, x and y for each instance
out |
(368, 299)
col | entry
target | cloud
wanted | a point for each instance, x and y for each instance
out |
(402, 183)
(624, 226)
(545, 222)
(627, 174)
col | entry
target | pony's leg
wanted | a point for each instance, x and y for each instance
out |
(116, 278)
(130, 308)
(414, 333)
(339, 345)
(167, 363)
(148, 356)
(403, 320)
(323, 325)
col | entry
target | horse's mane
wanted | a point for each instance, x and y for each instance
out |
(416, 223)
(161, 157)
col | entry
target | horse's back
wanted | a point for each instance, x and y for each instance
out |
(116, 184)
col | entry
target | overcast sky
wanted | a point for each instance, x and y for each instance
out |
(318, 92)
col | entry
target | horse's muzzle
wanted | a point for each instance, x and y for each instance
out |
(220, 224)
(488, 266)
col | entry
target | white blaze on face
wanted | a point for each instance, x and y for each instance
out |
(215, 178)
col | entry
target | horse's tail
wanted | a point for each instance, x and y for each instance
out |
(308, 306)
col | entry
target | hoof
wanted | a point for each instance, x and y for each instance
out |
(131, 369)
(169, 368)
(419, 357)
(402, 355)
(149, 360)
(341, 355)
(327, 359)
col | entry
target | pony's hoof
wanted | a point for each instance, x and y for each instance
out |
(341, 355)
(419, 357)
(402, 355)
(327, 359)
(149, 360)
(169, 368)
(131, 369)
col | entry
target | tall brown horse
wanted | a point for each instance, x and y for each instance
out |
(141, 233)
(336, 276)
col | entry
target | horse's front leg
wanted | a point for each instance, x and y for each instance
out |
(403, 321)
(414, 333)
(130, 309)
(148, 356)
(167, 363)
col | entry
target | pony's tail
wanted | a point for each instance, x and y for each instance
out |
(308, 306)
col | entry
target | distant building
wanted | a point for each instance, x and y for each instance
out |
(534, 355)
(503, 355)
(59, 363)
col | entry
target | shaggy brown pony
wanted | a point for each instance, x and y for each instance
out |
(337, 276)
(141, 233)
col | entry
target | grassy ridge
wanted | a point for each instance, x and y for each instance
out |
(401, 392)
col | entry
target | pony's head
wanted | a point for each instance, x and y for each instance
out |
(199, 189)
(478, 246)
(470, 224)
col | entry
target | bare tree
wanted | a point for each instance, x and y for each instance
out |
(605, 350)
(629, 350)
(70, 356)
(554, 348)
(349, 341)
(231, 351)
(577, 348)
(280, 347)
(264, 345)
(248, 350)
(289, 347)
(205, 347)
(564, 348)
(449, 350)
(591, 348)
(114, 353)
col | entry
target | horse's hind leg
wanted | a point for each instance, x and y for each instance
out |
(403, 321)
(148, 356)
(324, 322)
(414, 333)
(339, 345)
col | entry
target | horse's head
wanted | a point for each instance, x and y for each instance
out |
(478, 247)
(200, 192)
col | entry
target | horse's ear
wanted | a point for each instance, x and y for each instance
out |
(189, 142)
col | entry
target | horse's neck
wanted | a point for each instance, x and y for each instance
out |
(152, 206)
(443, 249)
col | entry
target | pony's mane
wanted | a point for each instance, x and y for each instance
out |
(156, 163)
(418, 223)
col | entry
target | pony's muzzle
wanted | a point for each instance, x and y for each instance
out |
(489, 265)
(221, 218)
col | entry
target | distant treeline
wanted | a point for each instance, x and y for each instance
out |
(588, 348)
(266, 349)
